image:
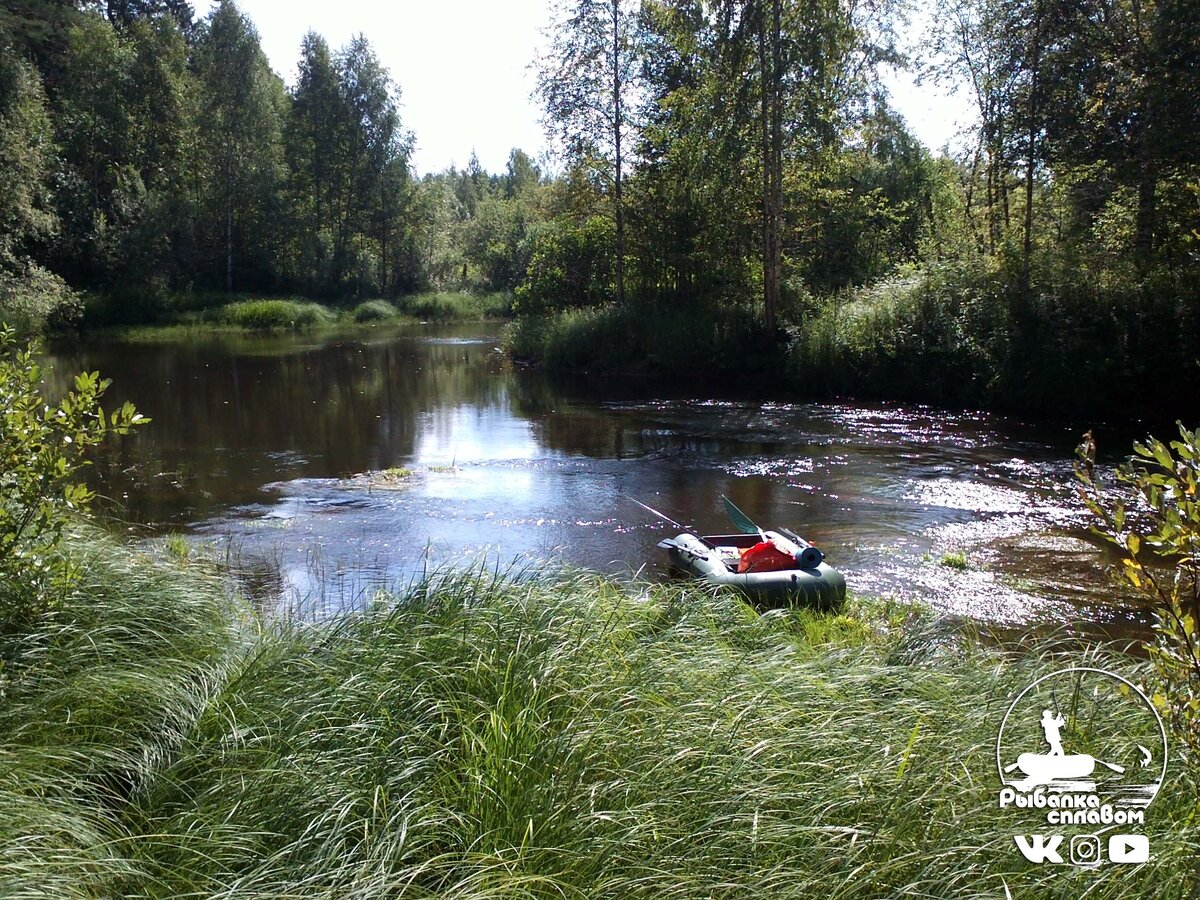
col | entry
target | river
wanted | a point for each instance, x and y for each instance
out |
(256, 442)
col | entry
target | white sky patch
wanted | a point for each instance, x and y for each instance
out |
(463, 68)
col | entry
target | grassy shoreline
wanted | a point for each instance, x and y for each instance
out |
(217, 314)
(486, 737)
(968, 334)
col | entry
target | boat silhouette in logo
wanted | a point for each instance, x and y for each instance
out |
(1057, 765)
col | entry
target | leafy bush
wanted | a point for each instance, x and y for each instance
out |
(42, 448)
(267, 314)
(1159, 538)
(375, 311)
(571, 264)
(35, 299)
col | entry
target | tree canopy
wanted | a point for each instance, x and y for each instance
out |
(713, 154)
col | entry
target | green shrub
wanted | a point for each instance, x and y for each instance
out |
(570, 265)
(525, 338)
(35, 299)
(268, 314)
(42, 449)
(375, 311)
(1081, 338)
(1159, 539)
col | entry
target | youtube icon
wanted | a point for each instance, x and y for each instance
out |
(1129, 848)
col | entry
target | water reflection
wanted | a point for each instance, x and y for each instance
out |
(255, 440)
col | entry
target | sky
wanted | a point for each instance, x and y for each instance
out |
(463, 68)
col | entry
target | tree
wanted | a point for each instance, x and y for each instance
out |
(241, 108)
(698, 216)
(37, 30)
(28, 292)
(315, 147)
(349, 167)
(771, 80)
(123, 13)
(973, 41)
(520, 174)
(374, 179)
(587, 84)
(1123, 84)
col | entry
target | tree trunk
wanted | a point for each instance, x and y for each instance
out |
(991, 191)
(618, 203)
(774, 287)
(228, 225)
(771, 122)
(1143, 240)
(1031, 156)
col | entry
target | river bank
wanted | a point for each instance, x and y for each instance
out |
(485, 737)
(196, 315)
(1111, 344)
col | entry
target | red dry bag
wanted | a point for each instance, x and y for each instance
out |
(765, 557)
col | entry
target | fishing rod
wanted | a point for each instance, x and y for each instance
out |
(651, 509)
(669, 543)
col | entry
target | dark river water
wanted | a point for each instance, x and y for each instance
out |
(257, 441)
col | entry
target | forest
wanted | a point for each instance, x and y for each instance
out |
(729, 172)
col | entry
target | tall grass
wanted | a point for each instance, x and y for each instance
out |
(485, 737)
(375, 311)
(93, 704)
(446, 305)
(646, 340)
(269, 314)
(1080, 340)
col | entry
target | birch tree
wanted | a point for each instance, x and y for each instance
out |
(587, 86)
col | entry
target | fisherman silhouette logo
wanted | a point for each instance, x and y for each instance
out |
(1081, 747)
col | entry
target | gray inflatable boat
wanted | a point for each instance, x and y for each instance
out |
(714, 558)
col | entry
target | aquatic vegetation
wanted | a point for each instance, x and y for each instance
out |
(955, 560)
(268, 314)
(394, 478)
(375, 311)
(445, 305)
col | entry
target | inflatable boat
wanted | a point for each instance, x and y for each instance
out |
(714, 558)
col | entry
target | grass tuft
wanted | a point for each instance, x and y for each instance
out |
(272, 314)
(375, 311)
(956, 560)
(447, 305)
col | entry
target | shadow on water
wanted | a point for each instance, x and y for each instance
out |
(256, 441)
